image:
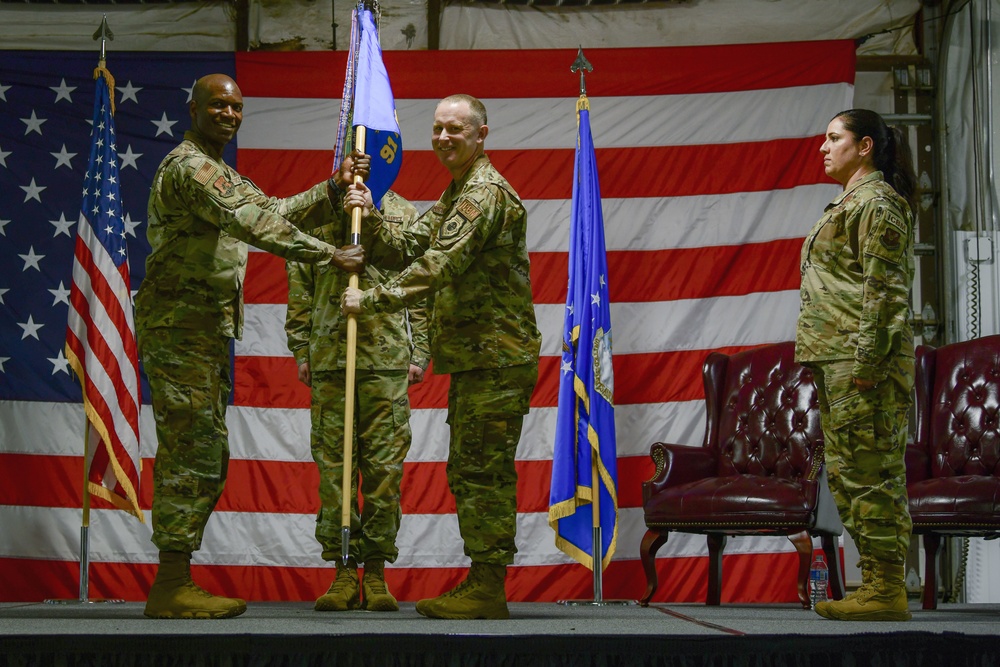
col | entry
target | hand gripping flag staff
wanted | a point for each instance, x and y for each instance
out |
(368, 107)
(583, 496)
(100, 332)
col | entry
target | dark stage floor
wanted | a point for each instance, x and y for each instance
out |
(272, 633)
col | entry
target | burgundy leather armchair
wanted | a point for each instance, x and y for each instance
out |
(758, 471)
(953, 465)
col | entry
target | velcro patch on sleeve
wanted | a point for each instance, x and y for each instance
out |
(452, 228)
(889, 237)
(468, 210)
(205, 174)
(224, 186)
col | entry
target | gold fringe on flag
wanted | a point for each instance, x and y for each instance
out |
(101, 70)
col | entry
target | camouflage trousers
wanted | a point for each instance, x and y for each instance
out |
(381, 441)
(189, 380)
(865, 434)
(486, 409)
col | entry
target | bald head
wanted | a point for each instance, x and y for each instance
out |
(216, 111)
(206, 85)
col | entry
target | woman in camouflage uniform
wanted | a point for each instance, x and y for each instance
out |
(853, 331)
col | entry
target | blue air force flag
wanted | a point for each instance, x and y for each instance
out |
(585, 452)
(375, 109)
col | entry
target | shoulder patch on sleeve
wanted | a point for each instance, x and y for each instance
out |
(205, 174)
(224, 186)
(890, 239)
(889, 236)
(452, 228)
(468, 210)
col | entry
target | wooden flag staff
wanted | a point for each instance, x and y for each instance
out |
(347, 493)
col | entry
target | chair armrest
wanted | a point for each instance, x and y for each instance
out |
(677, 464)
(918, 463)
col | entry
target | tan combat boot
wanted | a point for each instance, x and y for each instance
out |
(374, 592)
(174, 595)
(867, 566)
(481, 595)
(883, 599)
(344, 593)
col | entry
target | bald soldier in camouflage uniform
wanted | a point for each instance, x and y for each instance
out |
(202, 214)
(387, 362)
(482, 332)
(853, 331)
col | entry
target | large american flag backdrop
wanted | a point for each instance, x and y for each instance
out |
(710, 174)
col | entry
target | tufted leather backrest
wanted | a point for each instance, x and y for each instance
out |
(961, 431)
(766, 413)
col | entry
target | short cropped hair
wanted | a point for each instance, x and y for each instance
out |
(477, 108)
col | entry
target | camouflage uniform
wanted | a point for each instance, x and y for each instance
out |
(189, 307)
(317, 334)
(857, 267)
(483, 333)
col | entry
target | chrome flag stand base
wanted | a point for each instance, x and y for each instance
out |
(598, 600)
(84, 579)
(596, 603)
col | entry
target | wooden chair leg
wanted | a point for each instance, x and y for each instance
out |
(832, 550)
(716, 545)
(931, 543)
(804, 547)
(651, 543)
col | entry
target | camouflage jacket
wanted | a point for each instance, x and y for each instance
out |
(857, 268)
(202, 214)
(477, 270)
(316, 328)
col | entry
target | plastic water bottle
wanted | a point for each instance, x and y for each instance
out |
(819, 577)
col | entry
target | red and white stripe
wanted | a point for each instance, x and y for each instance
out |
(101, 348)
(711, 177)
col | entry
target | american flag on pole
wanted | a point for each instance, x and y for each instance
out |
(710, 178)
(100, 333)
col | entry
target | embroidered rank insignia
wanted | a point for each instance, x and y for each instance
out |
(205, 174)
(224, 186)
(468, 210)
